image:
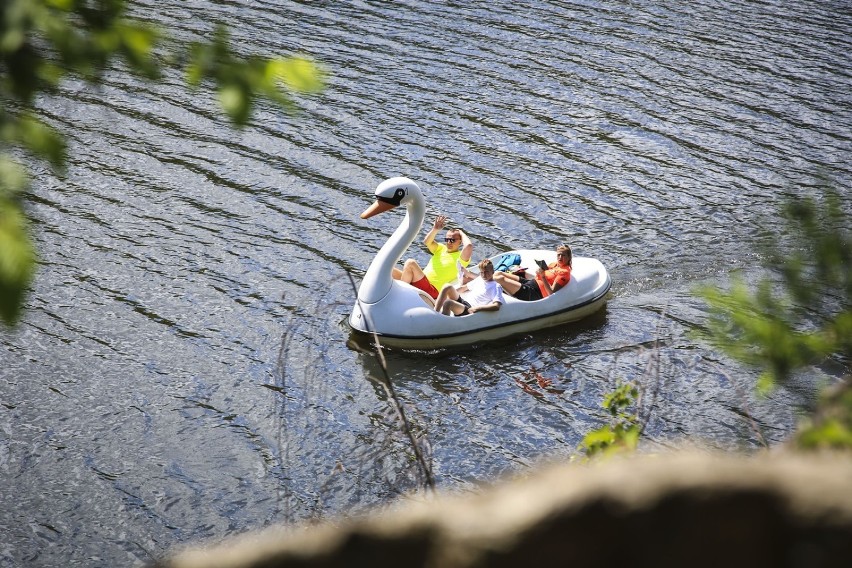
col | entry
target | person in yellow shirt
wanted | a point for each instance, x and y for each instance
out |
(441, 268)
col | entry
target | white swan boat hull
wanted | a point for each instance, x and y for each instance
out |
(414, 323)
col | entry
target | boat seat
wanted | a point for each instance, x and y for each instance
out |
(423, 295)
(426, 298)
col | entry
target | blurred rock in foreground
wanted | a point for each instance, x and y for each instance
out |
(667, 510)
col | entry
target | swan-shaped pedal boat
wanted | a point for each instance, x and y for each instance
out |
(404, 316)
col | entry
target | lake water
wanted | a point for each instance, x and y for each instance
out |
(184, 371)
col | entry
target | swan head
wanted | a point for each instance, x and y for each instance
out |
(392, 193)
(378, 280)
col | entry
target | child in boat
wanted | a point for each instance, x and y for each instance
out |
(487, 295)
(546, 282)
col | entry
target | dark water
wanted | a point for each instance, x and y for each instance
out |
(183, 373)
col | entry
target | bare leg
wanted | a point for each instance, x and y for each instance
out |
(411, 272)
(509, 283)
(447, 293)
(452, 306)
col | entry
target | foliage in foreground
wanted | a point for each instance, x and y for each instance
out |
(623, 431)
(831, 424)
(42, 42)
(799, 317)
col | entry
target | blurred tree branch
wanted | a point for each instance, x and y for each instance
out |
(43, 42)
(799, 316)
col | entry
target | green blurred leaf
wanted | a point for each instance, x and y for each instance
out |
(297, 73)
(831, 434)
(35, 136)
(17, 260)
(12, 39)
(235, 103)
(13, 178)
(66, 5)
(765, 383)
(601, 436)
(831, 425)
(137, 46)
(800, 314)
(239, 80)
(43, 41)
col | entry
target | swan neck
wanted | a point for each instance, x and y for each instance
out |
(378, 280)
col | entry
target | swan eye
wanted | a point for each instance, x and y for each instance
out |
(396, 200)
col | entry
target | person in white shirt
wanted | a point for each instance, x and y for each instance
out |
(486, 294)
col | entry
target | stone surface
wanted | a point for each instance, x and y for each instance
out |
(679, 509)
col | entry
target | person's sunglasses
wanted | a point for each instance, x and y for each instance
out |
(450, 240)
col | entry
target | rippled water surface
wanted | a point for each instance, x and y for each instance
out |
(184, 371)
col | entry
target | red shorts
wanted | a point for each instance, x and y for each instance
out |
(427, 287)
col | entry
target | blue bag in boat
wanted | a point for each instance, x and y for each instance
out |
(507, 261)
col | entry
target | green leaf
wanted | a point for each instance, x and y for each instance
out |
(12, 40)
(831, 425)
(235, 102)
(297, 73)
(630, 438)
(799, 315)
(17, 260)
(13, 178)
(137, 46)
(40, 139)
(765, 383)
(601, 436)
(831, 434)
(43, 41)
(66, 5)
